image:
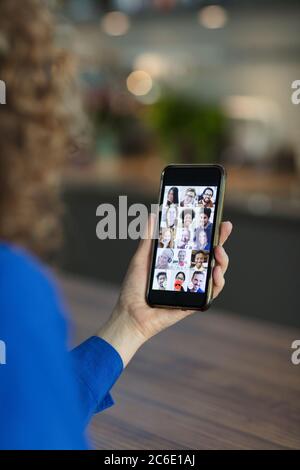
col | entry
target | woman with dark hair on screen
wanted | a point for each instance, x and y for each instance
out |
(204, 223)
(178, 281)
(48, 395)
(170, 212)
(172, 196)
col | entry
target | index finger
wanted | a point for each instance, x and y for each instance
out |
(225, 231)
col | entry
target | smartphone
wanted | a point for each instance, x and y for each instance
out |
(188, 223)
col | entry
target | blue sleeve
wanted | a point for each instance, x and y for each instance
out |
(97, 367)
(47, 395)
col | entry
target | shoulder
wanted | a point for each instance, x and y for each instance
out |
(18, 265)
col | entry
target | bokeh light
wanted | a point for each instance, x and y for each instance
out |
(152, 63)
(213, 17)
(139, 82)
(115, 23)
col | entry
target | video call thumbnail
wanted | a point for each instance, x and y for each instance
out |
(185, 238)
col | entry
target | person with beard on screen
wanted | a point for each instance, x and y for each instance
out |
(196, 282)
(205, 200)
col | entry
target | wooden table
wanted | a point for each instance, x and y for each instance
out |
(214, 381)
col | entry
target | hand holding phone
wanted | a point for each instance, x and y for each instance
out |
(133, 321)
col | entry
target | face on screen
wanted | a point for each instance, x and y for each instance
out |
(185, 238)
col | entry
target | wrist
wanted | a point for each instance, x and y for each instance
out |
(122, 335)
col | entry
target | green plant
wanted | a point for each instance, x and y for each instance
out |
(188, 130)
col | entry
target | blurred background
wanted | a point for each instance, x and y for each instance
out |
(193, 82)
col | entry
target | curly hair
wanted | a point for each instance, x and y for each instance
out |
(34, 125)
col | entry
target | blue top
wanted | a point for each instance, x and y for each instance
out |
(199, 290)
(47, 394)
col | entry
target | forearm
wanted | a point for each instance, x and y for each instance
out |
(121, 334)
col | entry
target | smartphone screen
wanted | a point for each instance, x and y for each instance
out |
(191, 199)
